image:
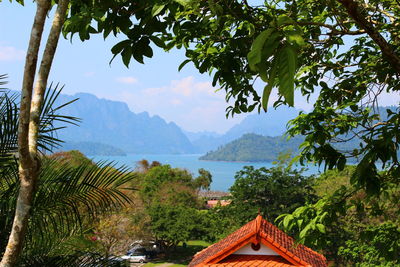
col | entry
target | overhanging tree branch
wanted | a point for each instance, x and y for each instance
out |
(354, 10)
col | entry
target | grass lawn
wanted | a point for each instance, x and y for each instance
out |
(181, 256)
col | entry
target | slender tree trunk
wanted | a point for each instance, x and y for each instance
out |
(29, 165)
(42, 77)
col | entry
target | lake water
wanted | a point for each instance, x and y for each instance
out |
(223, 173)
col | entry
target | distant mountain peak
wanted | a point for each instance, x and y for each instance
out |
(113, 123)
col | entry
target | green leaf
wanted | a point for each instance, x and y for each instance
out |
(265, 96)
(321, 228)
(304, 232)
(120, 46)
(212, 50)
(284, 19)
(295, 38)
(138, 57)
(341, 163)
(126, 56)
(184, 3)
(157, 41)
(183, 64)
(286, 72)
(262, 71)
(254, 56)
(270, 45)
(287, 220)
(157, 8)
(269, 86)
(147, 51)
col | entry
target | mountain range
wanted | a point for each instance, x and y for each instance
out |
(108, 123)
(112, 123)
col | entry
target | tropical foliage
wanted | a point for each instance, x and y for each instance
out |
(170, 197)
(68, 195)
(345, 52)
(351, 227)
(333, 49)
(270, 191)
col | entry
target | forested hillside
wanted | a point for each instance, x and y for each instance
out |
(254, 147)
(272, 123)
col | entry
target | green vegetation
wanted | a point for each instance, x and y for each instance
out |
(271, 191)
(72, 191)
(351, 227)
(171, 202)
(253, 148)
(345, 52)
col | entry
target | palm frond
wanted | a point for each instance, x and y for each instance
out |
(9, 185)
(8, 126)
(8, 122)
(50, 116)
(3, 81)
(67, 194)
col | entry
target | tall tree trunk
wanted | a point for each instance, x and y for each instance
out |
(27, 165)
(42, 77)
(30, 110)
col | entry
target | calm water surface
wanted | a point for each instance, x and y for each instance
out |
(223, 173)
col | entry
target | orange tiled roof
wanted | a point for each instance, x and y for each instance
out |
(252, 260)
(256, 231)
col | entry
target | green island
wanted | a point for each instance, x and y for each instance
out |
(254, 148)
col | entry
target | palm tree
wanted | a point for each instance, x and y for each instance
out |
(67, 197)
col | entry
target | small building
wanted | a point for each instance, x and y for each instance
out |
(214, 199)
(258, 243)
(215, 203)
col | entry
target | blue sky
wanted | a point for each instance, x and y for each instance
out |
(185, 97)
(157, 87)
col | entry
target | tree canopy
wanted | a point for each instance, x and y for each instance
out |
(170, 196)
(271, 191)
(344, 51)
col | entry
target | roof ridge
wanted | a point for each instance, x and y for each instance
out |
(294, 245)
(258, 223)
(261, 229)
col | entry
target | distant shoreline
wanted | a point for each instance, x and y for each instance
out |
(238, 161)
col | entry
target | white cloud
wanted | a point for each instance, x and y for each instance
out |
(127, 80)
(9, 53)
(192, 104)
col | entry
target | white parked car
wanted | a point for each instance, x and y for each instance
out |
(135, 257)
